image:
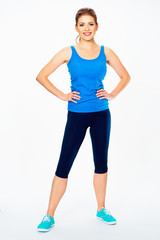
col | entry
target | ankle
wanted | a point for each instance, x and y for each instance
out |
(50, 214)
(100, 208)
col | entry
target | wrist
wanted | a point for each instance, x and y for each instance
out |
(61, 95)
(112, 95)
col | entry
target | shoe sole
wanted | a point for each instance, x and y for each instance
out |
(105, 221)
(45, 230)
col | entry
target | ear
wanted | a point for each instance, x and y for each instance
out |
(97, 27)
(76, 28)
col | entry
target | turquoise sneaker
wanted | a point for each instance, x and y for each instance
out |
(47, 223)
(105, 216)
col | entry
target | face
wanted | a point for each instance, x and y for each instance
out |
(86, 27)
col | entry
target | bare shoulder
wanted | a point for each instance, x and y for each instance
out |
(111, 56)
(114, 61)
(67, 52)
(57, 60)
(64, 54)
(109, 53)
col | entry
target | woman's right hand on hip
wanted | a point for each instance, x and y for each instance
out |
(69, 96)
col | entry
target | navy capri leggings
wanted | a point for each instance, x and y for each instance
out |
(74, 133)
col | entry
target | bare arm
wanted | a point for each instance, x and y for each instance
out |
(116, 64)
(42, 77)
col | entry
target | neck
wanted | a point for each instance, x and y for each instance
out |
(87, 44)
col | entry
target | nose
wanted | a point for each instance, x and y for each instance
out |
(86, 28)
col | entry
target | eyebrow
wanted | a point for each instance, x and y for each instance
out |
(88, 22)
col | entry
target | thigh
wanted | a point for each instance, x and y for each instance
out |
(74, 134)
(100, 135)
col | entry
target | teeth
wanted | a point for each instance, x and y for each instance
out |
(87, 33)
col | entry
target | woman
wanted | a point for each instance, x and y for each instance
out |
(87, 107)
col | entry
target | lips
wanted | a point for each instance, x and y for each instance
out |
(87, 33)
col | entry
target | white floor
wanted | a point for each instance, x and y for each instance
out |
(130, 225)
(75, 218)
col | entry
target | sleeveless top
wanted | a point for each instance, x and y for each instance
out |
(86, 78)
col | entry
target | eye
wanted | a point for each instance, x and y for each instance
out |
(90, 24)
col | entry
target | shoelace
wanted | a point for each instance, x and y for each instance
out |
(46, 218)
(107, 211)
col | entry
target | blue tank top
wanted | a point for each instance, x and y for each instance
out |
(86, 77)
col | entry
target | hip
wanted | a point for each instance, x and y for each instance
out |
(92, 105)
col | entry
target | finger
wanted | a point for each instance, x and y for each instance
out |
(76, 92)
(100, 94)
(73, 101)
(76, 97)
(100, 90)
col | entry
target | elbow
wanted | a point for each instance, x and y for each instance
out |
(126, 78)
(129, 77)
(39, 78)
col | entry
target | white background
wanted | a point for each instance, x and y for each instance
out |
(32, 122)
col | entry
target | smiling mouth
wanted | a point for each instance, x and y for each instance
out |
(87, 33)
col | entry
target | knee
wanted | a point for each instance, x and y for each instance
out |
(101, 170)
(61, 174)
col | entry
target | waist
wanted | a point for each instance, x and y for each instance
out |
(89, 103)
